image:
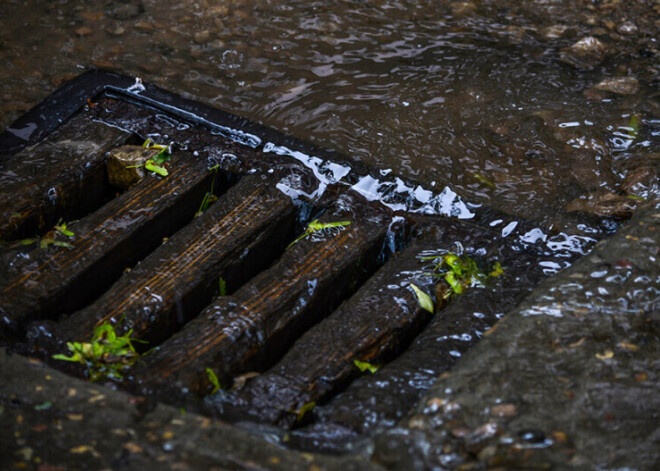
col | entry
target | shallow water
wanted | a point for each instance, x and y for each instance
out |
(467, 94)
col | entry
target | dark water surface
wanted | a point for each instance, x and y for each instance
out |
(467, 94)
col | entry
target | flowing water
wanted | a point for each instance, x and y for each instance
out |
(467, 94)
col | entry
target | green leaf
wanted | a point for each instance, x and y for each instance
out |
(45, 406)
(364, 366)
(222, 285)
(497, 270)
(423, 299)
(61, 228)
(305, 408)
(63, 357)
(213, 379)
(315, 225)
(28, 241)
(155, 168)
(162, 157)
(633, 125)
(480, 178)
(451, 278)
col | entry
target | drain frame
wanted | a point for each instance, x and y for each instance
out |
(218, 122)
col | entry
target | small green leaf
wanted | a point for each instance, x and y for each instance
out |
(162, 157)
(364, 366)
(480, 178)
(497, 270)
(61, 356)
(305, 408)
(155, 168)
(424, 299)
(28, 241)
(45, 406)
(61, 228)
(451, 278)
(315, 225)
(633, 125)
(222, 285)
(636, 198)
(213, 379)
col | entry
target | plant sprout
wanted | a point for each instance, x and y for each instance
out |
(155, 163)
(105, 355)
(213, 379)
(61, 228)
(209, 196)
(460, 272)
(49, 238)
(222, 287)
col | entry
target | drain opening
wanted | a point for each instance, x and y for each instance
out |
(239, 292)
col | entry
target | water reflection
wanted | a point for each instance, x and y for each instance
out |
(466, 95)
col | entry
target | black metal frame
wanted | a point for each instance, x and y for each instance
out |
(45, 117)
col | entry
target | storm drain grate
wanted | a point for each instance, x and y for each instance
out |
(301, 291)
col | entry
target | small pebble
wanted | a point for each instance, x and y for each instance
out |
(202, 37)
(619, 85)
(627, 28)
(84, 31)
(587, 53)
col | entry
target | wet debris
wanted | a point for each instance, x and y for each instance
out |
(603, 204)
(587, 53)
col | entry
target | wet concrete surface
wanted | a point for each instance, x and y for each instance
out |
(50, 421)
(567, 380)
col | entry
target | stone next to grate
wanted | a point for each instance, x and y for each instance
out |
(252, 328)
(239, 235)
(37, 283)
(60, 177)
